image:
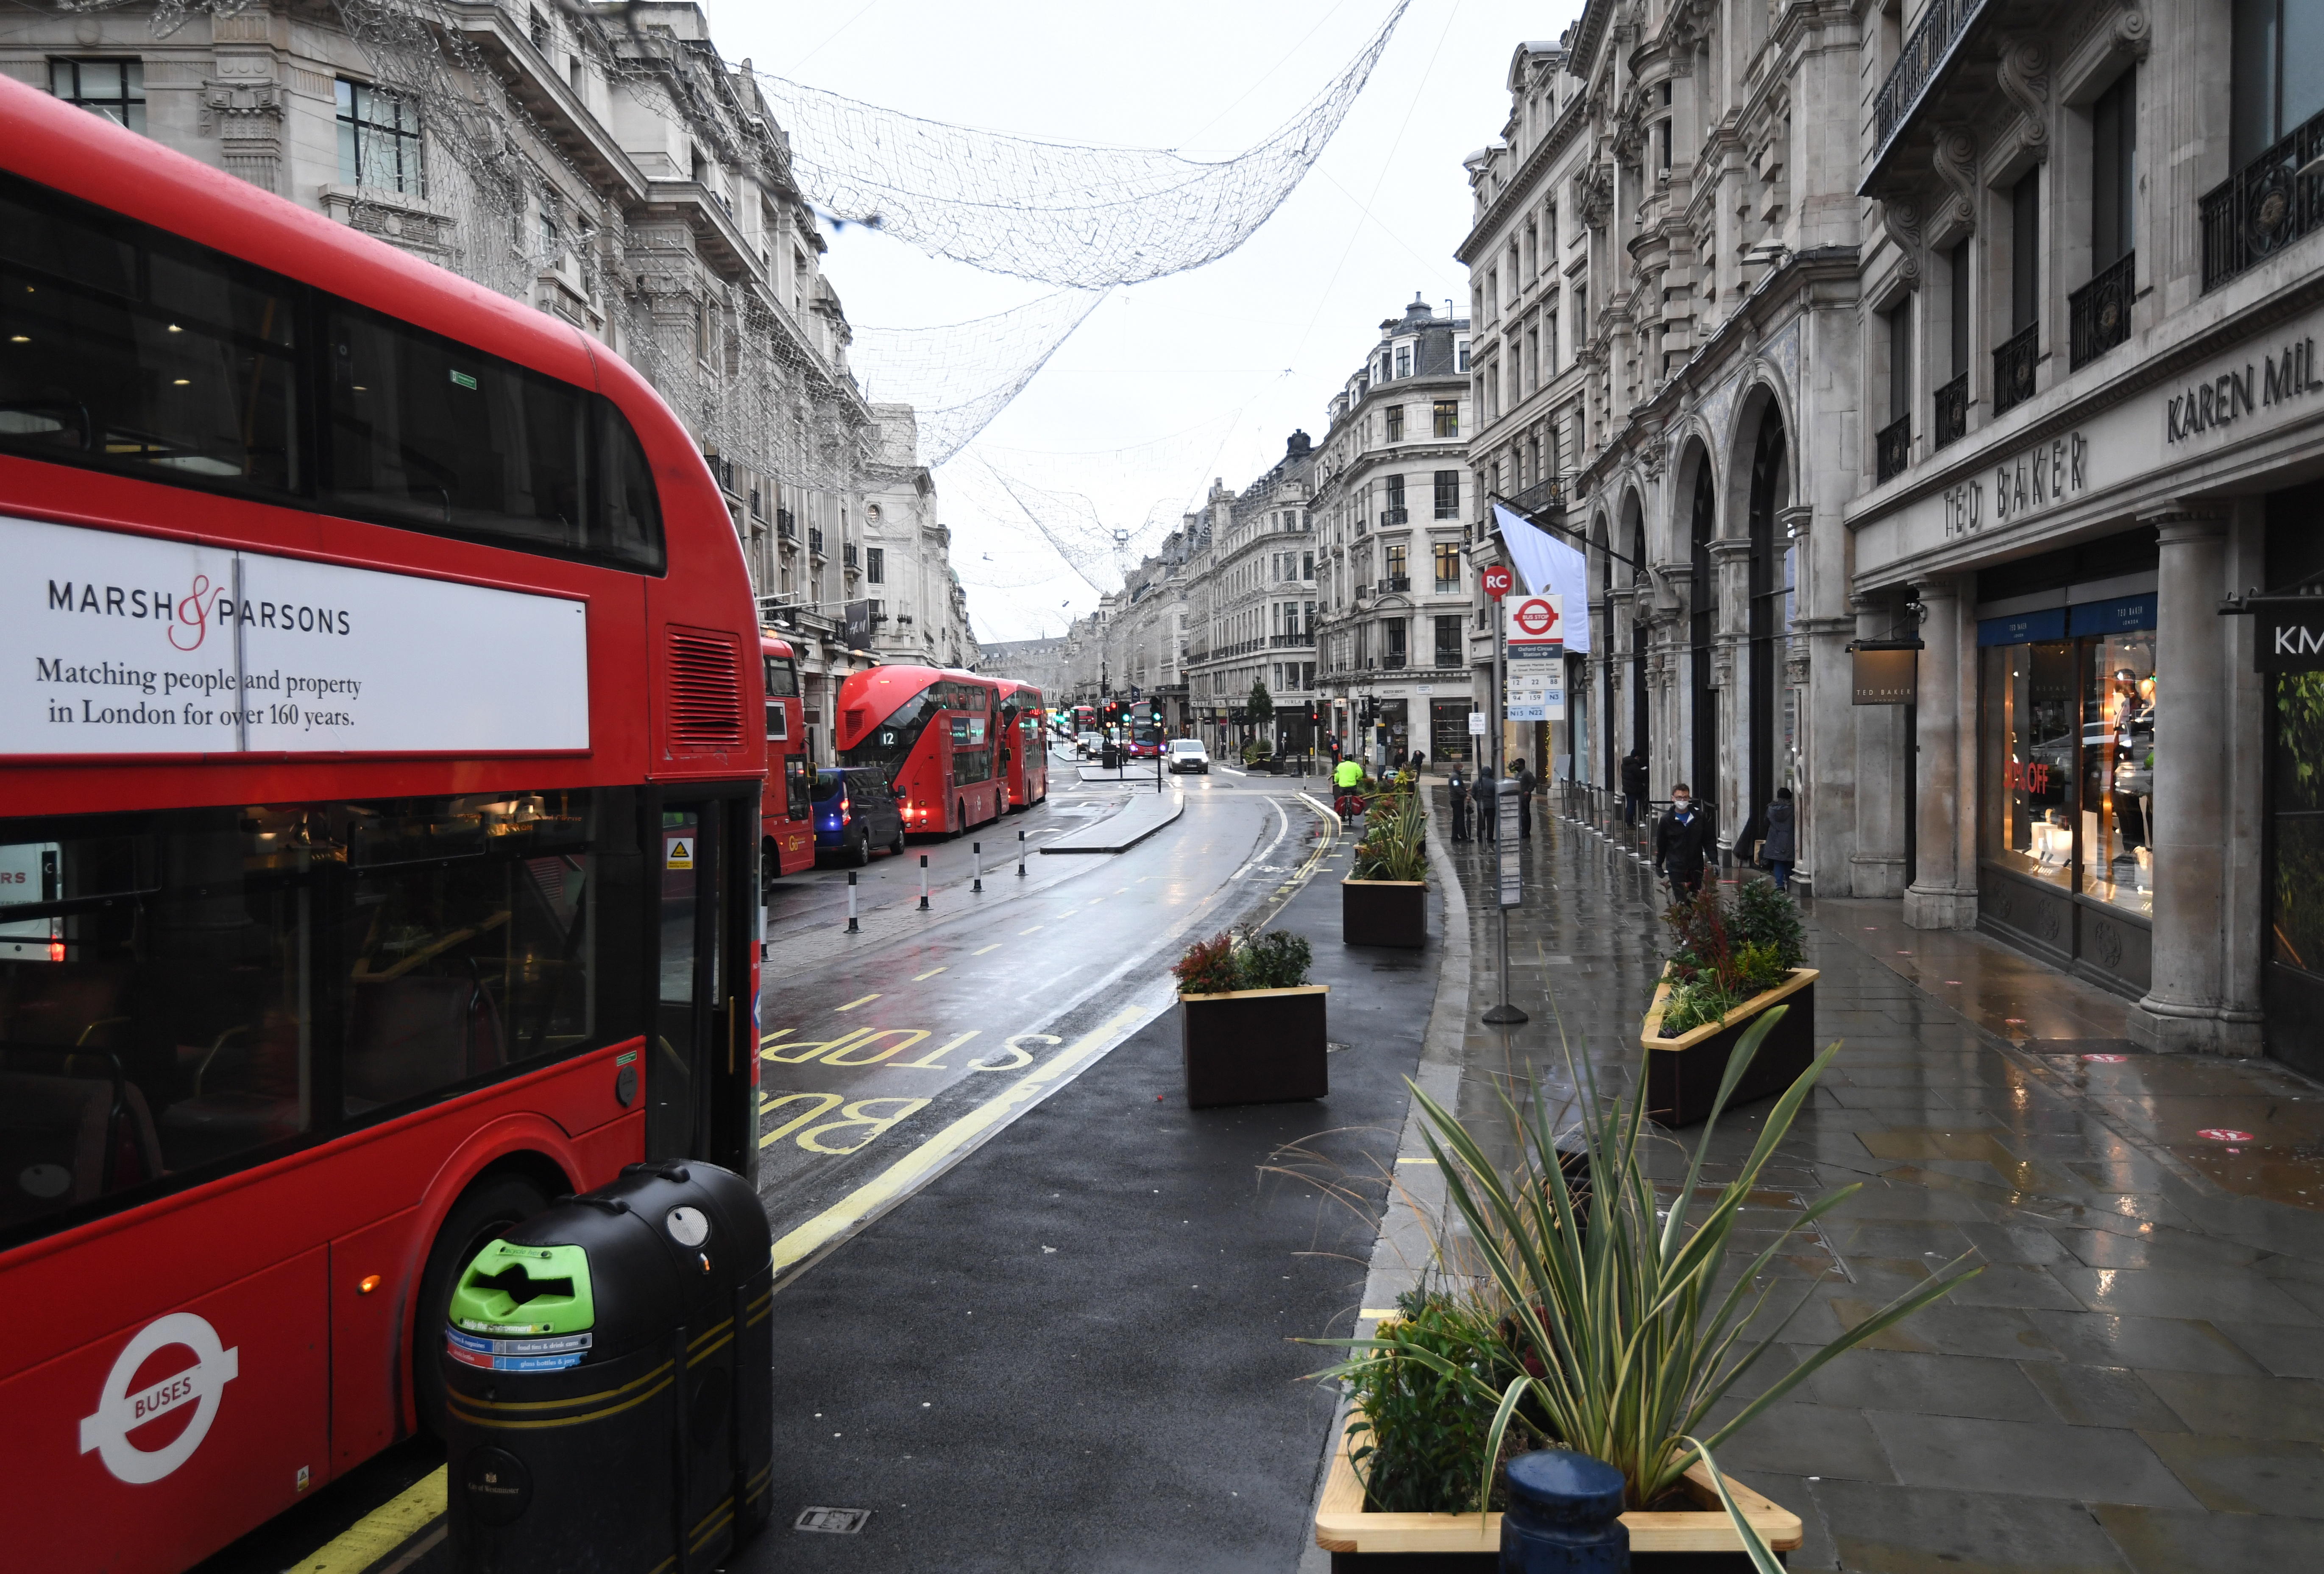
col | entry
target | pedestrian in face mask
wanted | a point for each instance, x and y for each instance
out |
(1457, 792)
(1682, 844)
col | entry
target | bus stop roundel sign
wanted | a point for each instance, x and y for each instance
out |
(1497, 580)
(119, 1412)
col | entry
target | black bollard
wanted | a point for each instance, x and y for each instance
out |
(1563, 1516)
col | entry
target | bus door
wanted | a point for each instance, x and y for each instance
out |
(697, 1084)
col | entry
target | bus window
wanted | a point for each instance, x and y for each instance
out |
(223, 981)
(782, 678)
(160, 359)
(798, 787)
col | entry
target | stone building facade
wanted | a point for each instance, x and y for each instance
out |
(1986, 333)
(1252, 602)
(1393, 497)
(633, 183)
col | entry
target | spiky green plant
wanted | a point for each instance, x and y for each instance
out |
(1394, 844)
(1620, 1305)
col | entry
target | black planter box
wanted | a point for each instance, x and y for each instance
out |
(1684, 1073)
(1254, 1046)
(1384, 912)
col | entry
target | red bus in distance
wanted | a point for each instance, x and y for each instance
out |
(1024, 747)
(379, 811)
(787, 818)
(936, 733)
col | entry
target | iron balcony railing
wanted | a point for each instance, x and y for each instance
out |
(1451, 659)
(814, 540)
(2098, 315)
(1393, 659)
(2265, 206)
(1896, 440)
(785, 524)
(1923, 56)
(847, 553)
(1286, 641)
(1393, 516)
(2012, 369)
(1394, 582)
(1951, 423)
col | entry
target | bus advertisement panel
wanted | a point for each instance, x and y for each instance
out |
(379, 810)
(787, 818)
(1024, 747)
(933, 731)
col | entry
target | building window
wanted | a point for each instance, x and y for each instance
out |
(1404, 360)
(539, 31)
(1396, 514)
(552, 249)
(1306, 565)
(1393, 416)
(379, 140)
(1460, 355)
(2114, 160)
(1445, 415)
(1448, 494)
(1449, 636)
(113, 88)
(875, 564)
(2026, 252)
(2278, 75)
(1394, 560)
(1448, 575)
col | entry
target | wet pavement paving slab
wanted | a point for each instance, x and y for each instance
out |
(2134, 1384)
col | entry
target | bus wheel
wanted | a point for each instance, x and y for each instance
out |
(487, 1209)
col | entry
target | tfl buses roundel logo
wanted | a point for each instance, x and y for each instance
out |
(121, 1410)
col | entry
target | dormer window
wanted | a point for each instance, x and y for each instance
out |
(1404, 360)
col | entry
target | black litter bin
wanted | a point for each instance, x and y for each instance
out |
(608, 1365)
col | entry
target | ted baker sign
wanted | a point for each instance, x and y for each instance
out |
(123, 645)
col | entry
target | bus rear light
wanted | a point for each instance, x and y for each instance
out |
(56, 950)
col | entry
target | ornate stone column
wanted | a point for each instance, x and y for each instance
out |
(1944, 890)
(2186, 1007)
(1876, 860)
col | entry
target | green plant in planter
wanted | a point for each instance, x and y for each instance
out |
(1625, 1335)
(1414, 1435)
(1394, 844)
(1693, 1003)
(1243, 958)
(1765, 916)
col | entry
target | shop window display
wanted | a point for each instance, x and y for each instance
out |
(2030, 695)
(2117, 776)
(2296, 937)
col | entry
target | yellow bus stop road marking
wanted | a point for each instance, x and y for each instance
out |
(379, 1532)
(931, 973)
(933, 1157)
(993, 947)
(1026, 931)
(853, 1004)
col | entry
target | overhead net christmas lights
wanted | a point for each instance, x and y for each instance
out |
(959, 377)
(1083, 217)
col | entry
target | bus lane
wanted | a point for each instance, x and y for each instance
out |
(877, 1074)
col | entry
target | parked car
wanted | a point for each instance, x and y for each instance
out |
(854, 812)
(1189, 754)
(1088, 744)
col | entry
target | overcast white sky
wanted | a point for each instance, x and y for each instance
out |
(1203, 375)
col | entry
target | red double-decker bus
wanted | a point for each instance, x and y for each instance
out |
(1025, 747)
(787, 819)
(379, 801)
(937, 734)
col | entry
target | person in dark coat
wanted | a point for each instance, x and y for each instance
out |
(1780, 850)
(1456, 792)
(1633, 785)
(1682, 844)
(1521, 781)
(1482, 802)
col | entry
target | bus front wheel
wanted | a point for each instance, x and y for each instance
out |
(489, 1208)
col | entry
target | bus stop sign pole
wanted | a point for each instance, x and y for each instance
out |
(1498, 582)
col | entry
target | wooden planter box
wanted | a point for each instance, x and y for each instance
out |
(1425, 1543)
(1254, 1046)
(1384, 912)
(1684, 1073)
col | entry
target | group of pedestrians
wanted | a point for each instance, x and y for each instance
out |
(1475, 804)
(1683, 845)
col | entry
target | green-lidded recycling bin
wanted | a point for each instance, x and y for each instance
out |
(608, 1367)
